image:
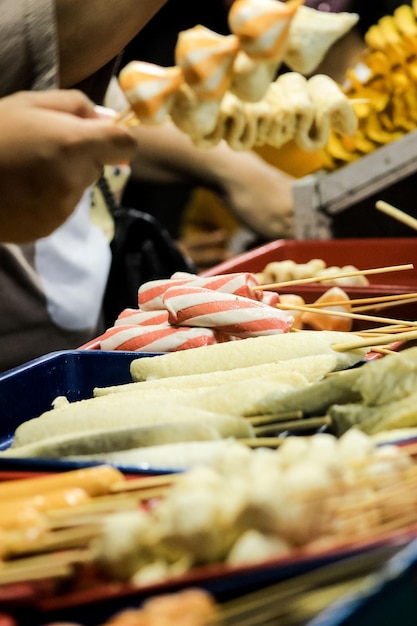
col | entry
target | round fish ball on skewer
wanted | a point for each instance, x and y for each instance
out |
(120, 547)
(292, 450)
(304, 487)
(354, 445)
(253, 546)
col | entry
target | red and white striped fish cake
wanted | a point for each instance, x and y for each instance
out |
(130, 317)
(271, 298)
(150, 294)
(227, 313)
(155, 338)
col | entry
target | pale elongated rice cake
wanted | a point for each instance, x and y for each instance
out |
(245, 353)
(98, 414)
(225, 398)
(172, 456)
(113, 439)
(313, 368)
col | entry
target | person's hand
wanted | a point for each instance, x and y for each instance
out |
(206, 249)
(260, 196)
(53, 145)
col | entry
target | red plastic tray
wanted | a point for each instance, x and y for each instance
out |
(362, 253)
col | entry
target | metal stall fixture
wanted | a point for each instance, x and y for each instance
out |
(320, 196)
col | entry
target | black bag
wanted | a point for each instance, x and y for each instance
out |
(141, 251)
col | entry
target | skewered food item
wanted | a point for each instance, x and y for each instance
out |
(378, 396)
(244, 353)
(309, 490)
(151, 293)
(206, 60)
(112, 439)
(286, 270)
(263, 29)
(223, 86)
(312, 34)
(98, 414)
(161, 338)
(318, 321)
(312, 368)
(131, 316)
(262, 26)
(178, 456)
(150, 89)
(191, 607)
(292, 108)
(227, 313)
(213, 309)
(94, 480)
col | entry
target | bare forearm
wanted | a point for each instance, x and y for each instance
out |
(92, 32)
(258, 194)
(167, 155)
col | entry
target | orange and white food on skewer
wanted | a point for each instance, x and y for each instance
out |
(150, 89)
(319, 321)
(263, 28)
(206, 60)
(222, 86)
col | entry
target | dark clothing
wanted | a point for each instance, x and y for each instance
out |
(156, 44)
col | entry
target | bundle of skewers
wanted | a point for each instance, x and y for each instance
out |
(187, 311)
(353, 494)
(224, 87)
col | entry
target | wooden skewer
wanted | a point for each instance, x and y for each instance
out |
(310, 423)
(263, 420)
(125, 117)
(363, 301)
(140, 484)
(263, 442)
(384, 305)
(398, 215)
(374, 341)
(330, 277)
(383, 330)
(43, 566)
(236, 611)
(346, 314)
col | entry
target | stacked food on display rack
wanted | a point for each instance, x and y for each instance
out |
(244, 451)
